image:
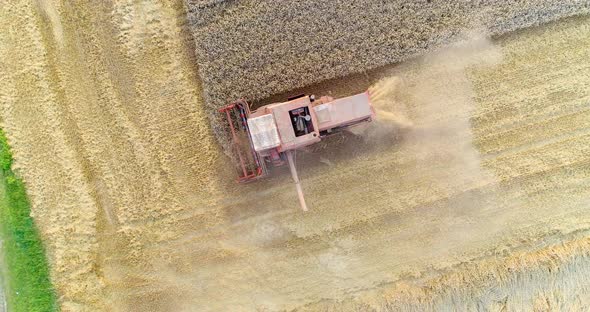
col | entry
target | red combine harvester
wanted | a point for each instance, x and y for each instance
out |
(270, 135)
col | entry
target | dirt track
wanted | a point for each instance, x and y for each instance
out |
(2, 300)
(2, 295)
(128, 187)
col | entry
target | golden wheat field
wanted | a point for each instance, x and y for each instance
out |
(471, 192)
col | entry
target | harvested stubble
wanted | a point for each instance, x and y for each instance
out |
(101, 104)
(554, 278)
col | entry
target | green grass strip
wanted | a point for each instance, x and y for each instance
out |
(26, 273)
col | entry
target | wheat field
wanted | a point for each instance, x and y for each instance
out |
(480, 201)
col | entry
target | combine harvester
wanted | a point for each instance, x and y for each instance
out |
(269, 136)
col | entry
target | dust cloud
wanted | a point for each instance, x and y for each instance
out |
(442, 130)
(425, 107)
(430, 107)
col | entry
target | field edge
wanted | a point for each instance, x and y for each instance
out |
(26, 272)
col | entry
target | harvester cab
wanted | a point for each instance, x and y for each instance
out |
(270, 135)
